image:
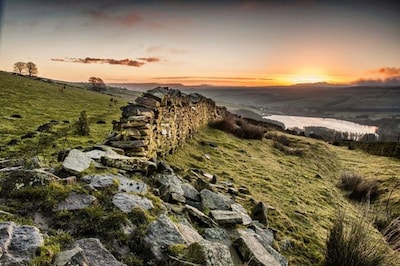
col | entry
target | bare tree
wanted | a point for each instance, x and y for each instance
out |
(31, 68)
(97, 83)
(19, 67)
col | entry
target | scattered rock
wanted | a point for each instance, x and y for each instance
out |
(71, 257)
(127, 163)
(214, 201)
(190, 192)
(252, 252)
(96, 253)
(160, 234)
(245, 216)
(189, 233)
(101, 122)
(217, 234)
(76, 162)
(244, 190)
(210, 254)
(75, 201)
(259, 213)
(126, 202)
(18, 244)
(199, 216)
(16, 116)
(225, 217)
(233, 191)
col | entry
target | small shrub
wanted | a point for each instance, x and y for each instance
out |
(352, 245)
(239, 127)
(82, 125)
(360, 189)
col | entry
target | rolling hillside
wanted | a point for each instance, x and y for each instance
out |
(297, 177)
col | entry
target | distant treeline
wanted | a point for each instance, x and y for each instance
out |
(388, 149)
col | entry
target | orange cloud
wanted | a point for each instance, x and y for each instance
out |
(389, 71)
(125, 62)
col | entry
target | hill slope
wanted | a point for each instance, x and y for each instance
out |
(296, 176)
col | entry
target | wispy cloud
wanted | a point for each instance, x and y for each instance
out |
(125, 62)
(385, 76)
(389, 71)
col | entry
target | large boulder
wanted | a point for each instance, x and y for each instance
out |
(190, 192)
(126, 202)
(18, 244)
(76, 162)
(210, 254)
(170, 187)
(160, 234)
(75, 201)
(214, 201)
(189, 233)
(252, 251)
(96, 254)
(124, 184)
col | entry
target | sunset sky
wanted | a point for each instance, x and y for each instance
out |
(250, 43)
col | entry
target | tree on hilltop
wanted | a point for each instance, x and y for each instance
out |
(19, 67)
(97, 83)
(31, 68)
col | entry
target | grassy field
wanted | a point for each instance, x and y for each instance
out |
(301, 189)
(38, 102)
(296, 176)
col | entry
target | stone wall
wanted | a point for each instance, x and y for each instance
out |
(160, 121)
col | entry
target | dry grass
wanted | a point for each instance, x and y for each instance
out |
(351, 244)
(239, 127)
(360, 188)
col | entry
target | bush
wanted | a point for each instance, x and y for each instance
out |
(352, 245)
(82, 125)
(239, 127)
(360, 189)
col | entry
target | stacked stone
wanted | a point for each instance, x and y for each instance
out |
(160, 121)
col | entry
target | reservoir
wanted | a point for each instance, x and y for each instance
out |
(300, 122)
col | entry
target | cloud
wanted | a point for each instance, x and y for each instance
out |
(384, 76)
(389, 71)
(149, 59)
(128, 20)
(125, 62)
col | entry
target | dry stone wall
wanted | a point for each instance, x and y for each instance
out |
(160, 121)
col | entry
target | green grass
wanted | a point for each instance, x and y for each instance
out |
(301, 189)
(40, 102)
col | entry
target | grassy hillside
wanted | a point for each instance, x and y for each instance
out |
(38, 103)
(296, 176)
(301, 189)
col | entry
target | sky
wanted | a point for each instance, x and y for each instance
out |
(238, 43)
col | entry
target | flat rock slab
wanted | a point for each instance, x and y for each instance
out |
(239, 208)
(124, 184)
(96, 254)
(76, 162)
(210, 254)
(75, 201)
(160, 234)
(200, 217)
(126, 202)
(189, 233)
(127, 163)
(18, 244)
(252, 251)
(214, 201)
(224, 217)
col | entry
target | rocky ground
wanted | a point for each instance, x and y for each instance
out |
(158, 217)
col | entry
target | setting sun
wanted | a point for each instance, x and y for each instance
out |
(308, 79)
